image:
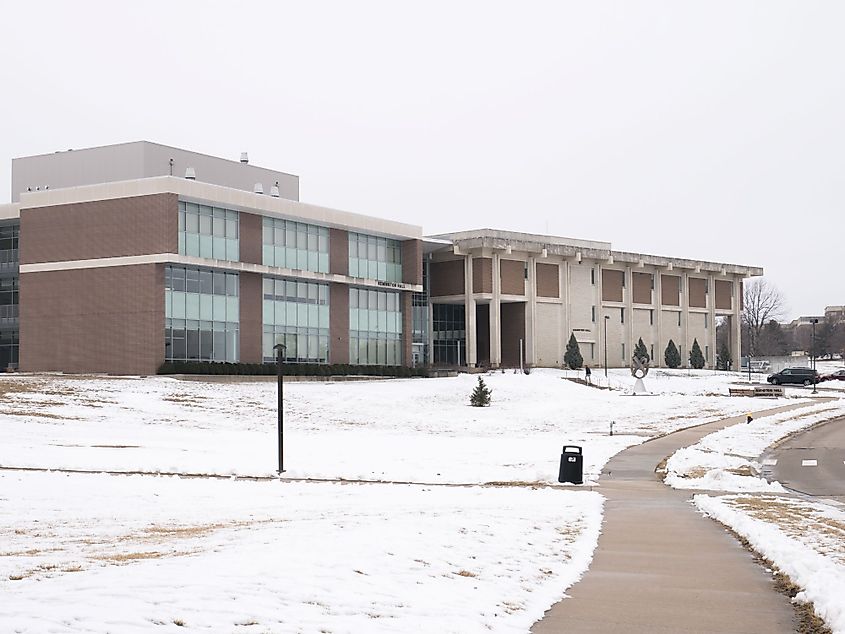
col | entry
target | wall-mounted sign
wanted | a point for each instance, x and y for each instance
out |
(391, 284)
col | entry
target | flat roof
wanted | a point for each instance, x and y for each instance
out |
(589, 249)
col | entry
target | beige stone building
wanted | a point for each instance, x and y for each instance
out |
(493, 293)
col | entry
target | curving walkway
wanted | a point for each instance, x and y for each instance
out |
(660, 566)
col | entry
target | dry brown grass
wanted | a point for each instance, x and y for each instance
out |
(184, 399)
(808, 621)
(794, 519)
(119, 558)
(466, 573)
(746, 470)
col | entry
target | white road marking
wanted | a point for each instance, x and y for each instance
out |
(770, 462)
(809, 463)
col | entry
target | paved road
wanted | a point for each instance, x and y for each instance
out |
(812, 462)
(663, 568)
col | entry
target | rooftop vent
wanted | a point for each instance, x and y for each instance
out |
(244, 158)
(190, 174)
(258, 188)
(274, 191)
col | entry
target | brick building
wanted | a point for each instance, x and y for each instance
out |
(117, 258)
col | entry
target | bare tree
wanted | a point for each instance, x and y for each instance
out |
(762, 303)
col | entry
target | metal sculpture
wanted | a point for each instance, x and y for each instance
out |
(639, 370)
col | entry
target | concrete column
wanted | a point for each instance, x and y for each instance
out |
(736, 325)
(685, 320)
(628, 290)
(495, 316)
(659, 345)
(530, 310)
(566, 312)
(711, 312)
(469, 305)
(599, 321)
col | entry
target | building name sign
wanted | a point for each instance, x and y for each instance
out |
(391, 284)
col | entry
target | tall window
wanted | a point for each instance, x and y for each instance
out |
(208, 232)
(295, 245)
(201, 310)
(449, 334)
(375, 327)
(296, 314)
(8, 303)
(419, 317)
(375, 258)
(9, 247)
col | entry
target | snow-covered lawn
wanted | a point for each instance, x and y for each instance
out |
(98, 553)
(420, 430)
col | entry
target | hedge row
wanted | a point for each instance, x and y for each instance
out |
(288, 369)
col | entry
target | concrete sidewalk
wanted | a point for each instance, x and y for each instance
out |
(660, 566)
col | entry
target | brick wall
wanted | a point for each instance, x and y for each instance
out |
(724, 292)
(611, 285)
(548, 283)
(250, 237)
(339, 252)
(412, 262)
(137, 225)
(107, 319)
(513, 329)
(251, 317)
(641, 283)
(670, 286)
(697, 292)
(446, 278)
(338, 323)
(513, 277)
(482, 275)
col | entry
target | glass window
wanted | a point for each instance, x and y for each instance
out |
(208, 299)
(296, 312)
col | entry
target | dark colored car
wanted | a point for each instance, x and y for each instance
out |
(839, 375)
(797, 376)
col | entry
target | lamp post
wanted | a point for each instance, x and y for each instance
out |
(606, 318)
(813, 352)
(280, 348)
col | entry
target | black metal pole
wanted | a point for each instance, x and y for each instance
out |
(814, 322)
(281, 411)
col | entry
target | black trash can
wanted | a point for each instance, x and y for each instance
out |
(571, 465)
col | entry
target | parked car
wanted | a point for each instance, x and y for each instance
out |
(839, 375)
(797, 376)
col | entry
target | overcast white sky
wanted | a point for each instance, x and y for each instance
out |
(711, 130)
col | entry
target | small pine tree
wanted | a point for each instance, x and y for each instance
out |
(723, 359)
(672, 356)
(572, 357)
(696, 359)
(480, 396)
(641, 351)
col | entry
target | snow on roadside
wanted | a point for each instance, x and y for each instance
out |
(803, 539)
(726, 460)
(98, 553)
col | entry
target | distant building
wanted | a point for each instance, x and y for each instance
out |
(117, 258)
(835, 313)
